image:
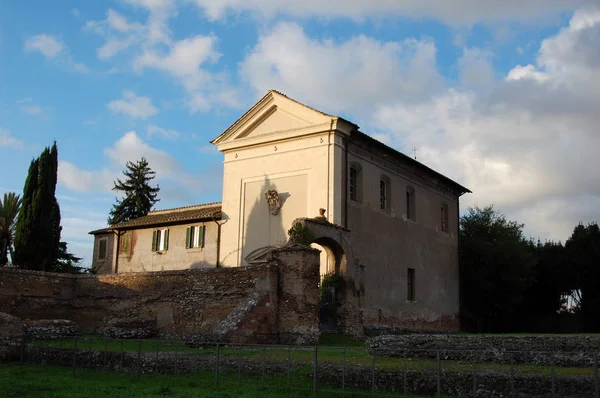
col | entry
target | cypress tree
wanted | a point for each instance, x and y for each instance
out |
(37, 233)
(138, 195)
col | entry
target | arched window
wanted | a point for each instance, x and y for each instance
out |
(355, 182)
(385, 197)
(411, 211)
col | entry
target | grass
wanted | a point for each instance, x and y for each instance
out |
(331, 349)
(54, 382)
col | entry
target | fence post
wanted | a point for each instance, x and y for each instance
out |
(139, 359)
(262, 375)
(121, 355)
(22, 358)
(217, 365)
(439, 375)
(596, 374)
(373, 372)
(552, 375)
(74, 355)
(240, 365)
(405, 378)
(343, 370)
(315, 371)
(512, 375)
(289, 365)
(474, 377)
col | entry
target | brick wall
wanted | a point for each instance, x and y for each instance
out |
(242, 304)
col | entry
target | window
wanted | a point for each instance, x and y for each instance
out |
(410, 203)
(102, 249)
(410, 284)
(160, 240)
(194, 237)
(353, 183)
(444, 217)
(125, 243)
(382, 195)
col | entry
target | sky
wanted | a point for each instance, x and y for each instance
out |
(503, 97)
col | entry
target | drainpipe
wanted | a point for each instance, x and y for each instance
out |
(345, 183)
(117, 253)
(218, 240)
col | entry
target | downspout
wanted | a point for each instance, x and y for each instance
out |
(117, 253)
(218, 240)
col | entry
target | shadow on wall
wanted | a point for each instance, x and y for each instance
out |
(262, 228)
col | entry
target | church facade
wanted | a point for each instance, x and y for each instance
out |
(390, 222)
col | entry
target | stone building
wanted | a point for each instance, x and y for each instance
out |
(389, 230)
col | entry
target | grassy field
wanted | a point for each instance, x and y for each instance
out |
(54, 382)
(331, 349)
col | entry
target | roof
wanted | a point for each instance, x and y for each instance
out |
(178, 215)
(100, 231)
(413, 162)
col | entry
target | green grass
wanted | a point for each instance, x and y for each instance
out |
(54, 382)
(331, 349)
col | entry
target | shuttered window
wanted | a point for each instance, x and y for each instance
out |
(102, 249)
(194, 236)
(160, 240)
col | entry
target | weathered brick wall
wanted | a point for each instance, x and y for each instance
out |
(268, 303)
(36, 295)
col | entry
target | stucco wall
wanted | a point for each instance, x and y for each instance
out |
(299, 170)
(387, 244)
(141, 258)
(104, 266)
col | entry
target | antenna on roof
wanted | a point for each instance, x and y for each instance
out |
(415, 152)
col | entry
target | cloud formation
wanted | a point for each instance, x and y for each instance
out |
(8, 141)
(54, 49)
(134, 106)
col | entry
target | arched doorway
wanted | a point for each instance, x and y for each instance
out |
(332, 265)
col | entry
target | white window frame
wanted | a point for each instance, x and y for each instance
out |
(195, 237)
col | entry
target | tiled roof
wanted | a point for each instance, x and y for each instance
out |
(172, 216)
(100, 231)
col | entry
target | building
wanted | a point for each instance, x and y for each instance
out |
(391, 222)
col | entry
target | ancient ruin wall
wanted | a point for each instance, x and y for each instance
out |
(242, 304)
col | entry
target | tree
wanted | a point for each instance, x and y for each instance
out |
(67, 262)
(583, 253)
(37, 232)
(138, 196)
(495, 268)
(9, 210)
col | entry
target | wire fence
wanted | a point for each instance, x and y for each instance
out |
(342, 370)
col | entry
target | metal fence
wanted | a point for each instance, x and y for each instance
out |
(343, 370)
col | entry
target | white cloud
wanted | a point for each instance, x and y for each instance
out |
(164, 133)
(28, 106)
(475, 68)
(48, 45)
(7, 140)
(75, 12)
(360, 72)
(456, 12)
(208, 149)
(134, 106)
(54, 49)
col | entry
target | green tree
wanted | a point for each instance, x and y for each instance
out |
(67, 262)
(37, 232)
(9, 210)
(495, 268)
(138, 196)
(583, 253)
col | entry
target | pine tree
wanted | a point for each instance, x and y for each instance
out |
(37, 233)
(138, 196)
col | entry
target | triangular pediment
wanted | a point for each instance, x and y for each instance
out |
(274, 117)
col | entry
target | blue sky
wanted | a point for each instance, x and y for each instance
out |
(501, 96)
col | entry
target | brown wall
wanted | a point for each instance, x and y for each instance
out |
(387, 244)
(242, 303)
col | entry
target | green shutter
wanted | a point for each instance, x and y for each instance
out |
(187, 238)
(201, 238)
(166, 239)
(154, 240)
